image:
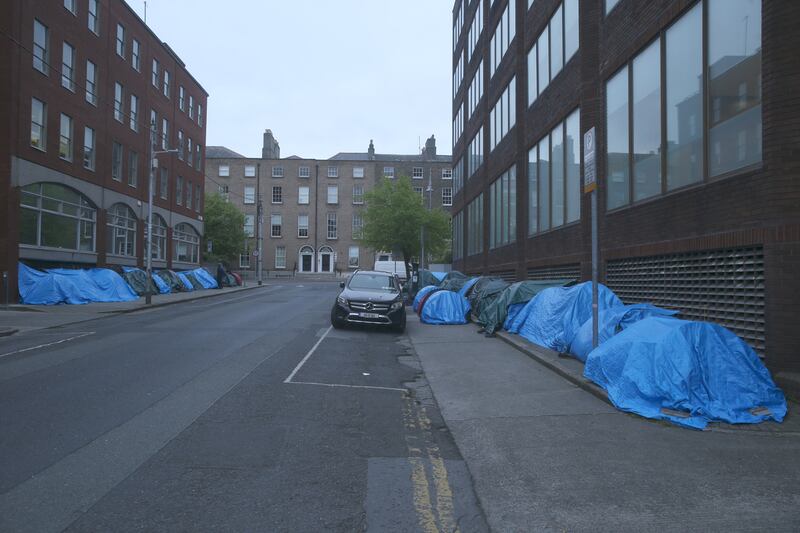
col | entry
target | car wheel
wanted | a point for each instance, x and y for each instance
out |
(400, 328)
(336, 322)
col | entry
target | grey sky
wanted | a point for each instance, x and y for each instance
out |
(325, 76)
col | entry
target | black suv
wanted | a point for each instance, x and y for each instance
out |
(370, 297)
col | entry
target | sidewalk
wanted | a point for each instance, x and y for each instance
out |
(546, 454)
(19, 318)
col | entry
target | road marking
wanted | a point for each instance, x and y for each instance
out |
(48, 344)
(345, 386)
(311, 351)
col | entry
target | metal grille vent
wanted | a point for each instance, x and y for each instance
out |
(557, 272)
(721, 286)
(506, 275)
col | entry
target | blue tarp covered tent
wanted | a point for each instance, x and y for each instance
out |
(186, 283)
(467, 286)
(420, 294)
(445, 307)
(205, 279)
(60, 285)
(439, 275)
(553, 317)
(610, 322)
(689, 373)
(138, 281)
(513, 312)
(163, 288)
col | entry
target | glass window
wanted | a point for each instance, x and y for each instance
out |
(352, 257)
(358, 172)
(133, 168)
(164, 185)
(276, 224)
(38, 124)
(164, 133)
(543, 67)
(249, 194)
(191, 106)
(302, 195)
(557, 175)
(88, 148)
(197, 197)
(684, 95)
(68, 67)
(134, 113)
(224, 171)
(91, 83)
(277, 195)
(610, 5)
(187, 243)
(121, 231)
(118, 105)
(447, 196)
(166, 83)
(304, 172)
(333, 172)
(58, 217)
(65, 138)
(179, 190)
(250, 225)
(647, 123)
(302, 226)
(358, 226)
(200, 114)
(158, 229)
(135, 55)
(181, 98)
(250, 171)
(533, 190)
(333, 194)
(544, 184)
(556, 42)
(388, 172)
(617, 168)
(41, 56)
(154, 78)
(181, 145)
(358, 194)
(571, 29)
(188, 194)
(277, 172)
(533, 90)
(93, 20)
(280, 257)
(121, 41)
(332, 231)
(418, 173)
(447, 173)
(198, 151)
(572, 158)
(734, 82)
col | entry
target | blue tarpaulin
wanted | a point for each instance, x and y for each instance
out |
(138, 282)
(186, 283)
(163, 288)
(205, 279)
(513, 312)
(553, 317)
(689, 373)
(439, 275)
(610, 322)
(445, 307)
(420, 294)
(60, 285)
(467, 286)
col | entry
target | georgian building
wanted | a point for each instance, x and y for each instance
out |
(312, 207)
(82, 84)
(695, 126)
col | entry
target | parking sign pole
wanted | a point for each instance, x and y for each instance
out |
(590, 186)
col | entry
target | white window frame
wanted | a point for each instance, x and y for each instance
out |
(249, 196)
(333, 172)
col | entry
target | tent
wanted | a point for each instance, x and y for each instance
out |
(427, 278)
(493, 313)
(171, 279)
(553, 317)
(453, 281)
(484, 293)
(421, 294)
(138, 280)
(444, 307)
(205, 279)
(438, 275)
(469, 284)
(192, 279)
(689, 373)
(187, 285)
(79, 286)
(609, 323)
(163, 287)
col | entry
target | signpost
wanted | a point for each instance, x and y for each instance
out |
(590, 186)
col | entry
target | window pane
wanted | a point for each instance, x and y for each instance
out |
(647, 123)
(557, 140)
(532, 92)
(617, 178)
(533, 192)
(544, 184)
(556, 43)
(684, 94)
(544, 67)
(28, 226)
(571, 31)
(59, 232)
(573, 167)
(734, 70)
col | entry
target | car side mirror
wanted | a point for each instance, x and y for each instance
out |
(341, 284)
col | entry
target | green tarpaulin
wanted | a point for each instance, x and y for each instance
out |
(453, 281)
(493, 314)
(484, 292)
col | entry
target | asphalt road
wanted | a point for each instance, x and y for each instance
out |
(244, 413)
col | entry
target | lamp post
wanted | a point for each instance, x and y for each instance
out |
(148, 295)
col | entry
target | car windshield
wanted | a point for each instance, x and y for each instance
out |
(373, 282)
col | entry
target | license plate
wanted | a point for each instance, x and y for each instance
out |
(369, 315)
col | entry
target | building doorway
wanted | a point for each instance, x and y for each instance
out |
(325, 260)
(306, 259)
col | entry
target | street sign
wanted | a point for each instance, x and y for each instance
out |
(589, 162)
(209, 246)
(255, 253)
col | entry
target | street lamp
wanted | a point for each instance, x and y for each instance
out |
(148, 295)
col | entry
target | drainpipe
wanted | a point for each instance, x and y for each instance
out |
(316, 216)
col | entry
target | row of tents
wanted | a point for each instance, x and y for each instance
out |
(648, 360)
(82, 286)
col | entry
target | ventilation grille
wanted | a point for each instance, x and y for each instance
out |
(556, 272)
(721, 286)
(506, 275)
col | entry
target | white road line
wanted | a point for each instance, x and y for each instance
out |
(48, 344)
(343, 385)
(311, 351)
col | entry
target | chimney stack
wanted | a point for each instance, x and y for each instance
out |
(429, 152)
(371, 151)
(271, 149)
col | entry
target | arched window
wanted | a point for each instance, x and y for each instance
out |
(121, 224)
(56, 216)
(187, 243)
(159, 230)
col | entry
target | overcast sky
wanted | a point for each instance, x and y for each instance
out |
(325, 76)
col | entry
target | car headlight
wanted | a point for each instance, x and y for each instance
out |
(397, 305)
(341, 300)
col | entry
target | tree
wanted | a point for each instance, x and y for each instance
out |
(224, 228)
(394, 217)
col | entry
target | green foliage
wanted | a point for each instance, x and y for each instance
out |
(225, 228)
(394, 216)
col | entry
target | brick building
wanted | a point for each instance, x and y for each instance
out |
(697, 124)
(81, 81)
(311, 207)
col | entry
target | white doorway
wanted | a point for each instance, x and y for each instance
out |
(325, 260)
